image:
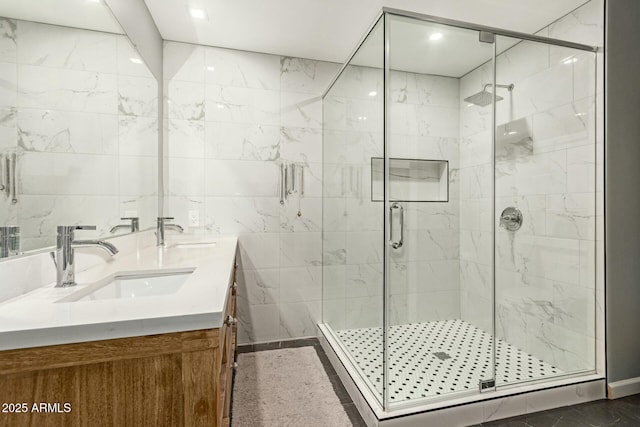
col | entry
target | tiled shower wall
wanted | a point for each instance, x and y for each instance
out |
(82, 118)
(545, 272)
(233, 117)
(424, 271)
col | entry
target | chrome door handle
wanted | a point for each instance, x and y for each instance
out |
(394, 244)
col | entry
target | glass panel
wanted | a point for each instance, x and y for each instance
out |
(545, 168)
(439, 260)
(353, 237)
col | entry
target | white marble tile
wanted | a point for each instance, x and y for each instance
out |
(568, 126)
(186, 138)
(138, 136)
(53, 46)
(300, 249)
(333, 313)
(67, 132)
(301, 284)
(301, 215)
(137, 96)
(238, 141)
(63, 89)
(41, 214)
(128, 59)
(186, 176)
(8, 38)
(259, 250)
(258, 323)
(306, 75)
(179, 207)
(183, 62)
(334, 214)
(67, 174)
(424, 89)
(475, 182)
(241, 178)
(242, 105)
(186, 100)
(519, 62)
(364, 247)
(8, 128)
(583, 25)
(334, 248)
(334, 279)
(301, 145)
(542, 91)
(8, 84)
(243, 214)
(364, 312)
(364, 215)
(364, 280)
(228, 67)
(357, 82)
(300, 110)
(576, 306)
(259, 286)
(571, 215)
(299, 319)
(138, 175)
(581, 170)
(539, 174)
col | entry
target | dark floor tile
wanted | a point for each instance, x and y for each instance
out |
(354, 415)
(339, 389)
(266, 346)
(300, 343)
(247, 348)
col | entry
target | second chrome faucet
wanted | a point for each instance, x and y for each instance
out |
(162, 226)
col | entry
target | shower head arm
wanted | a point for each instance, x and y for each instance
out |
(510, 87)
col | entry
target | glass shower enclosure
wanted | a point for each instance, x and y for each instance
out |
(459, 210)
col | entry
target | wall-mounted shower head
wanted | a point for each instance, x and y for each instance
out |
(484, 97)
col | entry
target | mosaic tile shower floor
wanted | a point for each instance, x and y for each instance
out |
(433, 358)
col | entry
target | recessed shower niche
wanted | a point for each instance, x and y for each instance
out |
(411, 180)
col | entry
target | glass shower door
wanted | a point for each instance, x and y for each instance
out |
(436, 183)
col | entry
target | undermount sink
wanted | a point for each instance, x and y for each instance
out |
(132, 285)
(193, 245)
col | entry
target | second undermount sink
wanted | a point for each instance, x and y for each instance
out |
(133, 285)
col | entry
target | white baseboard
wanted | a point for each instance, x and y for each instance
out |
(618, 389)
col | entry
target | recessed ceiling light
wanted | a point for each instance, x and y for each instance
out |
(373, 93)
(220, 105)
(435, 37)
(136, 60)
(513, 132)
(197, 13)
(570, 60)
(210, 68)
(93, 1)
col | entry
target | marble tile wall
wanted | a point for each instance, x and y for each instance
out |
(82, 118)
(233, 118)
(424, 271)
(548, 285)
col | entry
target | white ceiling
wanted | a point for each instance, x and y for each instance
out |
(87, 14)
(329, 29)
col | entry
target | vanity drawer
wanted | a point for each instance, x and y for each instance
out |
(227, 358)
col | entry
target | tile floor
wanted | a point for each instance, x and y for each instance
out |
(601, 413)
(441, 357)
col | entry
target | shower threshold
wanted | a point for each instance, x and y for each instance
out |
(434, 372)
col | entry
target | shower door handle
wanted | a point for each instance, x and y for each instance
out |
(394, 244)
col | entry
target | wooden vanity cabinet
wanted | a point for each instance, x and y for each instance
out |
(173, 379)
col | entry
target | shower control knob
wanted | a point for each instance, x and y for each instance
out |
(511, 219)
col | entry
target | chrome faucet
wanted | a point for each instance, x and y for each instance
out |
(65, 252)
(162, 226)
(133, 227)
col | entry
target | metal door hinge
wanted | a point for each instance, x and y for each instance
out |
(487, 384)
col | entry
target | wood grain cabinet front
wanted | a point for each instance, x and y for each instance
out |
(173, 379)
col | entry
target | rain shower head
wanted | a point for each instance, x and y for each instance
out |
(484, 98)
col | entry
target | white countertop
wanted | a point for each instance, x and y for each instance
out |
(38, 318)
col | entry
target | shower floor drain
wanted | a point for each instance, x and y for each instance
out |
(441, 355)
(433, 358)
